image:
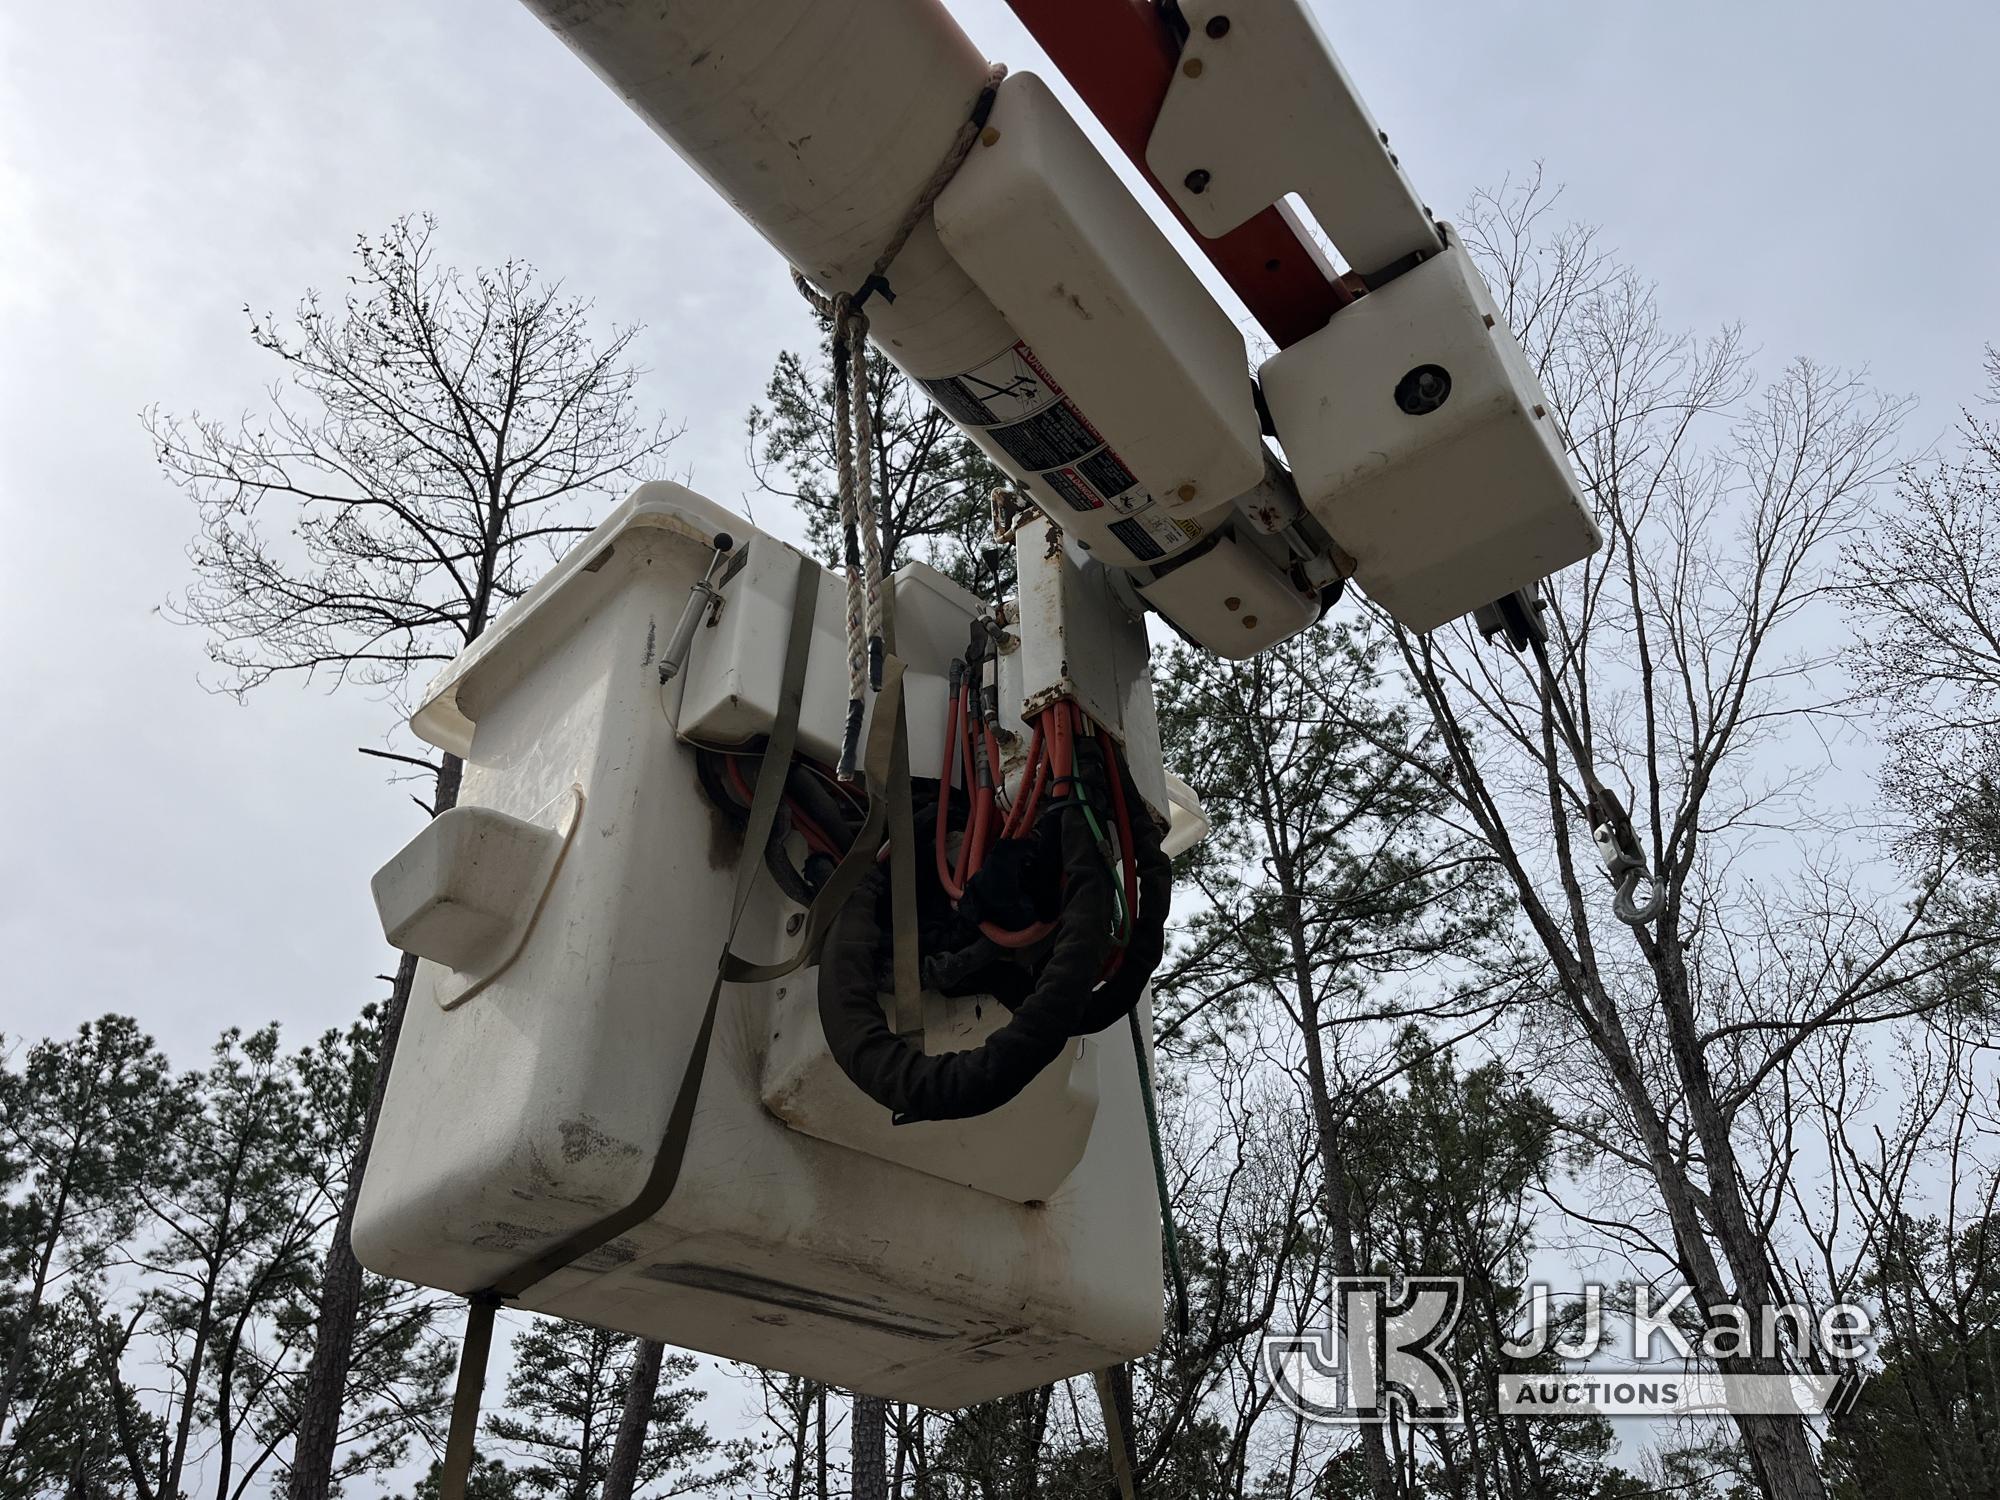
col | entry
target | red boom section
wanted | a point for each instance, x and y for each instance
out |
(1120, 55)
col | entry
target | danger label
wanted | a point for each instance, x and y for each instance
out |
(1084, 486)
(1004, 389)
(1076, 494)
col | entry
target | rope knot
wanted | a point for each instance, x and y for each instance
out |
(854, 430)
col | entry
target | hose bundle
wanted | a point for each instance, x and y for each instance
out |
(1089, 927)
(816, 806)
(1055, 903)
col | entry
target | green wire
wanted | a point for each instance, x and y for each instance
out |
(1121, 918)
(1169, 1239)
(1167, 1235)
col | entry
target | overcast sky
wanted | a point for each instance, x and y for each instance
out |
(1819, 171)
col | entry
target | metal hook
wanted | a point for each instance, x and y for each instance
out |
(1622, 905)
(1617, 848)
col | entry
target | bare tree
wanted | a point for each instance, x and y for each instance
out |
(1244, 1169)
(431, 442)
(1696, 655)
(1923, 584)
(789, 1405)
(1927, 1191)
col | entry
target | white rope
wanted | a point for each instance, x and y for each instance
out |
(854, 435)
(863, 397)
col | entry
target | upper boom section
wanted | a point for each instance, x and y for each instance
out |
(1047, 314)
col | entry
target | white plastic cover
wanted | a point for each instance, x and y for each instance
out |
(1443, 509)
(1048, 231)
(1260, 107)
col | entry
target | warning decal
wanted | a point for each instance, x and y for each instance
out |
(1136, 540)
(1049, 439)
(1169, 531)
(1109, 476)
(1024, 413)
(1075, 493)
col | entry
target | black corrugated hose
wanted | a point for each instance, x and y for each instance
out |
(1065, 1001)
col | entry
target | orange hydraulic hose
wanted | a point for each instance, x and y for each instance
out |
(996, 775)
(972, 849)
(1057, 738)
(1051, 756)
(1062, 751)
(1034, 773)
(1027, 937)
(815, 836)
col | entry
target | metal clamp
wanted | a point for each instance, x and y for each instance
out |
(1518, 617)
(1618, 850)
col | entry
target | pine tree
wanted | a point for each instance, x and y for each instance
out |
(933, 486)
(79, 1122)
(1328, 879)
(566, 1396)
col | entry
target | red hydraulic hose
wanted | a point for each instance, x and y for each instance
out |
(996, 775)
(1034, 773)
(1062, 749)
(1050, 756)
(815, 836)
(1026, 937)
(972, 850)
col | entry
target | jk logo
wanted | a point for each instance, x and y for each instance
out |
(1381, 1351)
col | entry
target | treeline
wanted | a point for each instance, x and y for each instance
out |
(165, 1233)
(166, 1230)
(163, 1236)
(1401, 1029)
